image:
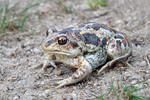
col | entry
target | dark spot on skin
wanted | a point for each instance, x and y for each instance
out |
(117, 36)
(53, 57)
(96, 26)
(74, 44)
(91, 39)
(78, 35)
(104, 41)
(118, 42)
(67, 30)
(112, 46)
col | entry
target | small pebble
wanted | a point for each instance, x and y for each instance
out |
(12, 78)
(143, 63)
(16, 97)
(36, 50)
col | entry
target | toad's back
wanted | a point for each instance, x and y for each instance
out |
(98, 36)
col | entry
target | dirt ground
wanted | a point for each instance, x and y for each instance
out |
(20, 50)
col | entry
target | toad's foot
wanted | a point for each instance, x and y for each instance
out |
(78, 75)
(46, 66)
(110, 63)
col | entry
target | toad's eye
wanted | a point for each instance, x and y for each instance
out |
(62, 40)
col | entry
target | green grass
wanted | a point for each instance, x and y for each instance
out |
(65, 8)
(24, 20)
(10, 19)
(93, 4)
(122, 92)
(3, 21)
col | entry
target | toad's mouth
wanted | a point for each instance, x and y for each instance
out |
(60, 52)
(56, 51)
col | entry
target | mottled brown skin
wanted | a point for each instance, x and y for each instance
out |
(85, 47)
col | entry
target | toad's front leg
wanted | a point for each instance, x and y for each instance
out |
(83, 71)
(49, 61)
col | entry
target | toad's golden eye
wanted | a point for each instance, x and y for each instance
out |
(62, 40)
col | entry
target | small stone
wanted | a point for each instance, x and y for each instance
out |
(143, 63)
(46, 93)
(16, 97)
(36, 50)
(42, 83)
(12, 78)
(28, 52)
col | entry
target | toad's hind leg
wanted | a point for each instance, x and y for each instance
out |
(81, 73)
(118, 49)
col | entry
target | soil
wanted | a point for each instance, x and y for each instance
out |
(20, 51)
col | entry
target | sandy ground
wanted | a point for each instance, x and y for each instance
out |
(20, 51)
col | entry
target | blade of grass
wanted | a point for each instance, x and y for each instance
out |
(137, 89)
(4, 19)
(101, 95)
(23, 21)
(101, 3)
(128, 92)
(136, 97)
(111, 87)
(27, 8)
